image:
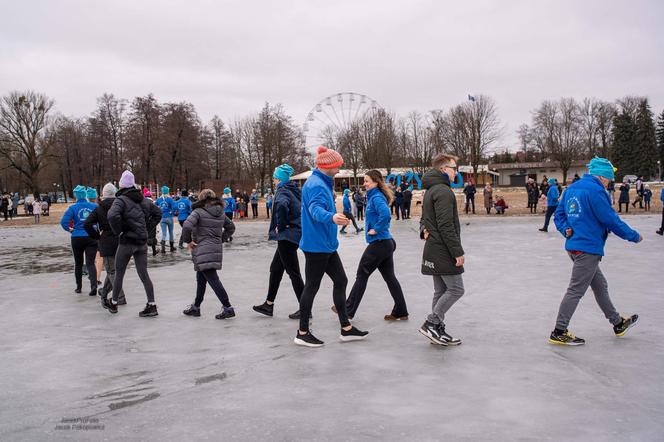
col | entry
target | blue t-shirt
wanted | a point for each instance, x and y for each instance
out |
(167, 206)
(77, 213)
(184, 208)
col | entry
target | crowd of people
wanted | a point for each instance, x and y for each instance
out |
(122, 225)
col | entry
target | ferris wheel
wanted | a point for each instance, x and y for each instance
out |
(334, 114)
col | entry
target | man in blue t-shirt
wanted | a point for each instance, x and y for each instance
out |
(183, 206)
(585, 218)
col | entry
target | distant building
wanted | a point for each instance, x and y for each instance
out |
(516, 174)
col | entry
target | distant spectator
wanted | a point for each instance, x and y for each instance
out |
(501, 205)
(268, 203)
(661, 197)
(488, 198)
(36, 210)
(470, 190)
(407, 201)
(611, 188)
(576, 178)
(639, 192)
(647, 196)
(624, 197)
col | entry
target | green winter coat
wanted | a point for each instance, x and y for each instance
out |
(441, 218)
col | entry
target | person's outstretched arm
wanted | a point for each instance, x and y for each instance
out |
(317, 208)
(611, 221)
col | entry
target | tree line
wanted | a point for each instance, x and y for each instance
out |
(167, 143)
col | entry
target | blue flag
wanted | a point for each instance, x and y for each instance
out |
(471, 98)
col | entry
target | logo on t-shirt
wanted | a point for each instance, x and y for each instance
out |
(182, 206)
(84, 213)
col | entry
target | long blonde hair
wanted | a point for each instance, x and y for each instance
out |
(377, 178)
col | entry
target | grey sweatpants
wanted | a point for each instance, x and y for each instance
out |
(585, 273)
(109, 266)
(447, 289)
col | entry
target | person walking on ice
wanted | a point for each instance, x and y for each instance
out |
(585, 218)
(131, 217)
(348, 212)
(184, 210)
(552, 196)
(204, 233)
(443, 256)
(319, 243)
(168, 208)
(379, 254)
(285, 228)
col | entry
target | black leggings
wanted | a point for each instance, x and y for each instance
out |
(181, 222)
(84, 246)
(662, 227)
(285, 259)
(352, 219)
(317, 265)
(254, 209)
(377, 255)
(406, 210)
(360, 212)
(210, 276)
(122, 256)
(626, 207)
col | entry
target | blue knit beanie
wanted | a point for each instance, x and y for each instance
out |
(165, 190)
(91, 193)
(552, 181)
(227, 190)
(346, 191)
(283, 173)
(80, 192)
(601, 167)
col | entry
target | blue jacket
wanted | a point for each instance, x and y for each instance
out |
(377, 216)
(347, 207)
(229, 207)
(167, 206)
(78, 213)
(552, 196)
(286, 222)
(319, 233)
(586, 209)
(661, 194)
(184, 208)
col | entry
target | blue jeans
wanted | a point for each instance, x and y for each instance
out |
(167, 223)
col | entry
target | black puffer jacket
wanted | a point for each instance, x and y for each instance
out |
(131, 216)
(108, 241)
(286, 223)
(440, 217)
(207, 226)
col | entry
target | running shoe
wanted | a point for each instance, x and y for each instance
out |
(149, 310)
(430, 330)
(93, 292)
(226, 313)
(108, 305)
(445, 337)
(565, 338)
(307, 340)
(264, 309)
(77, 290)
(625, 325)
(334, 309)
(352, 335)
(192, 310)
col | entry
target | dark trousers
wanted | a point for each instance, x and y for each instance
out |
(210, 276)
(646, 205)
(406, 210)
(360, 213)
(550, 210)
(470, 200)
(397, 209)
(84, 247)
(254, 209)
(352, 219)
(122, 256)
(620, 207)
(267, 209)
(109, 266)
(378, 255)
(662, 227)
(317, 265)
(246, 209)
(285, 260)
(181, 222)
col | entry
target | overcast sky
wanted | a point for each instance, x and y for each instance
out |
(228, 58)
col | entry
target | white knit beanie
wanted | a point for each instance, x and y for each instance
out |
(108, 191)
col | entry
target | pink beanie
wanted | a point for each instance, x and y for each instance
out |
(127, 180)
(328, 158)
(147, 193)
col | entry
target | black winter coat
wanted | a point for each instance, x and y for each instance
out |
(440, 217)
(131, 216)
(108, 241)
(207, 226)
(286, 222)
(533, 193)
(624, 193)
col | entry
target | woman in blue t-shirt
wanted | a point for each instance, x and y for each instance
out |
(168, 208)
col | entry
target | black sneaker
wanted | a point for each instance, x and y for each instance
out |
(264, 309)
(226, 313)
(565, 338)
(446, 338)
(543, 230)
(307, 340)
(192, 310)
(625, 325)
(660, 232)
(108, 305)
(430, 330)
(93, 292)
(77, 290)
(361, 229)
(149, 310)
(295, 315)
(352, 335)
(122, 301)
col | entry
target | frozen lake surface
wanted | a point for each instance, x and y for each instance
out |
(66, 361)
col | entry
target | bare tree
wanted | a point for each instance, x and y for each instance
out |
(589, 115)
(23, 118)
(605, 114)
(483, 128)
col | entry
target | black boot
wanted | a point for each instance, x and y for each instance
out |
(163, 247)
(154, 250)
(172, 246)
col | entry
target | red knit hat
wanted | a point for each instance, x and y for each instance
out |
(328, 158)
(147, 193)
